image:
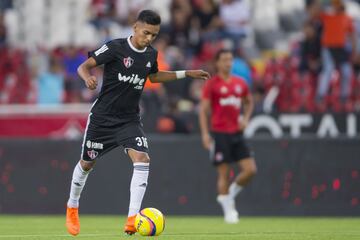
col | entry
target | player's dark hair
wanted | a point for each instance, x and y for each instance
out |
(149, 17)
(222, 51)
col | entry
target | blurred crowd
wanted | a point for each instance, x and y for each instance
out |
(330, 56)
(296, 56)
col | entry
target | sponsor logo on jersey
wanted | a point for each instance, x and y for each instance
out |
(230, 101)
(134, 79)
(128, 62)
(148, 65)
(94, 145)
(92, 154)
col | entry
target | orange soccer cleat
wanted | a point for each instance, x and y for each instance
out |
(72, 221)
(130, 225)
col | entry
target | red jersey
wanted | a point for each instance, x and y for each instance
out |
(225, 99)
(336, 29)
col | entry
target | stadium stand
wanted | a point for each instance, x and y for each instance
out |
(271, 45)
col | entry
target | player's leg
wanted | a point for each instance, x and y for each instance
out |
(79, 177)
(325, 76)
(141, 162)
(98, 140)
(227, 203)
(244, 157)
(133, 139)
(248, 170)
(221, 157)
(223, 178)
(346, 73)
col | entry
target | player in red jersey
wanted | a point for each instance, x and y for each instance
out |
(223, 97)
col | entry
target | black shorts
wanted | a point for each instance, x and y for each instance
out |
(228, 148)
(101, 137)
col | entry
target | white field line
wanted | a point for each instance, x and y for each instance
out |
(54, 235)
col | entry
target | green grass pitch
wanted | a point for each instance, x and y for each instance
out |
(190, 228)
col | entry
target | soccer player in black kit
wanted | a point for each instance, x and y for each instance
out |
(114, 117)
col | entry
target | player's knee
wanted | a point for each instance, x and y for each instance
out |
(137, 156)
(252, 170)
(87, 165)
(141, 157)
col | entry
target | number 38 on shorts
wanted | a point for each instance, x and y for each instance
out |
(142, 142)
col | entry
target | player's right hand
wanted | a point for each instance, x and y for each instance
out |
(91, 82)
(206, 140)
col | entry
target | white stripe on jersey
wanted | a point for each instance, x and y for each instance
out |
(101, 50)
(86, 129)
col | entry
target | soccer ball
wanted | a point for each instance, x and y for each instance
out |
(149, 222)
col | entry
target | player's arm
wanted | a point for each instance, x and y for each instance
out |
(204, 124)
(85, 74)
(248, 108)
(165, 76)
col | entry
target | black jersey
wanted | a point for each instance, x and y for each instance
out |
(125, 72)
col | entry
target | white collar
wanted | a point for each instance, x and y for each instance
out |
(134, 48)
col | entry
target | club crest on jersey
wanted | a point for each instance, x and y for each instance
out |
(128, 62)
(223, 90)
(238, 89)
(92, 154)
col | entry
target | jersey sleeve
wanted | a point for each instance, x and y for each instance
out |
(206, 92)
(155, 66)
(104, 54)
(246, 89)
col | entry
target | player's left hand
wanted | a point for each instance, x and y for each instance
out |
(243, 123)
(201, 74)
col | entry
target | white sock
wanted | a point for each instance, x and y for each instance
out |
(234, 189)
(138, 187)
(77, 184)
(224, 202)
(228, 205)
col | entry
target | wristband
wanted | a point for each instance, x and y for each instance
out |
(180, 74)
